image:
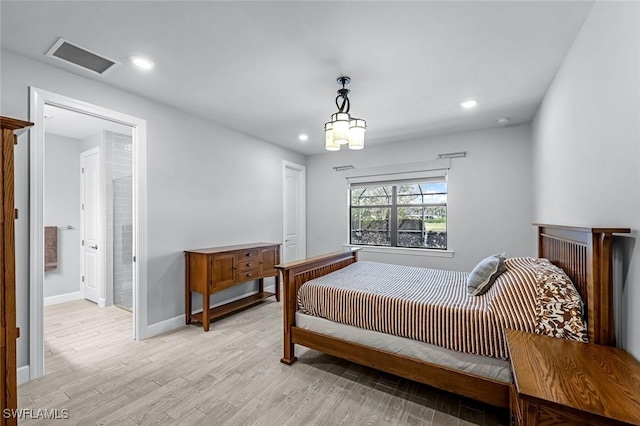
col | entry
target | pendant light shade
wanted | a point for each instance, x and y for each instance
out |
(329, 144)
(343, 129)
(341, 121)
(357, 128)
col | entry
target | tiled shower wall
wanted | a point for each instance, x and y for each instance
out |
(123, 242)
(119, 217)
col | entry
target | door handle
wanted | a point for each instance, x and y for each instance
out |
(94, 247)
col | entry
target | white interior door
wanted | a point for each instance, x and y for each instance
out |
(91, 223)
(294, 225)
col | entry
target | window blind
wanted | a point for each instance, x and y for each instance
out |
(431, 171)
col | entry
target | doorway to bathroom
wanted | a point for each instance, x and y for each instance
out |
(87, 172)
(88, 214)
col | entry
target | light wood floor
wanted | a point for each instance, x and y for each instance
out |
(230, 375)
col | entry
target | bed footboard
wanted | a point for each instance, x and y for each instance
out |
(294, 274)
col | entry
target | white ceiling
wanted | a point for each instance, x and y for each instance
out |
(268, 69)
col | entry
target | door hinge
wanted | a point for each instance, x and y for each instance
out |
(83, 242)
(83, 278)
(16, 214)
(82, 206)
(82, 170)
(134, 259)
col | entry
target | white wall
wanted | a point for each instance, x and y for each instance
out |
(62, 208)
(207, 185)
(489, 201)
(93, 141)
(586, 143)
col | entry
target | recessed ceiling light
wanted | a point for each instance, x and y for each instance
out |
(142, 63)
(469, 103)
(303, 137)
(503, 120)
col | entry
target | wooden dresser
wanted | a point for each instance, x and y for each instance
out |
(211, 270)
(9, 333)
(561, 382)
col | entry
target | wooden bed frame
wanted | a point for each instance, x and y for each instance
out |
(585, 254)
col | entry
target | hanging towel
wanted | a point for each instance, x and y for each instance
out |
(50, 248)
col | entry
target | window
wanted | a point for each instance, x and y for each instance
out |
(399, 214)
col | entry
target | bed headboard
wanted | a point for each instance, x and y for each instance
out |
(585, 254)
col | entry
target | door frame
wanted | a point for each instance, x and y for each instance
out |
(102, 296)
(302, 235)
(37, 100)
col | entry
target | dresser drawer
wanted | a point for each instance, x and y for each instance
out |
(551, 416)
(248, 264)
(249, 274)
(246, 255)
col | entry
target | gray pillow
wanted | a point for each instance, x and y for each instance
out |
(485, 273)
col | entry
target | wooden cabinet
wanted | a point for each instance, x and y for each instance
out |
(8, 331)
(561, 382)
(211, 270)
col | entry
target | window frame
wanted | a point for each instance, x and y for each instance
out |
(394, 206)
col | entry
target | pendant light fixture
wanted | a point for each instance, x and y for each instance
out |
(344, 129)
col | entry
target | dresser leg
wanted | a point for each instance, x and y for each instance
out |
(187, 293)
(205, 312)
(278, 287)
(187, 311)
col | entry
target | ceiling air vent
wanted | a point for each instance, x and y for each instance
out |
(81, 57)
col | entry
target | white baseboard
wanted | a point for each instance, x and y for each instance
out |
(23, 374)
(163, 327)
(178, 321)
(62, 298)
(102, 302)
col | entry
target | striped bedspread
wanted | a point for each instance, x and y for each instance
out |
(429, 305)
